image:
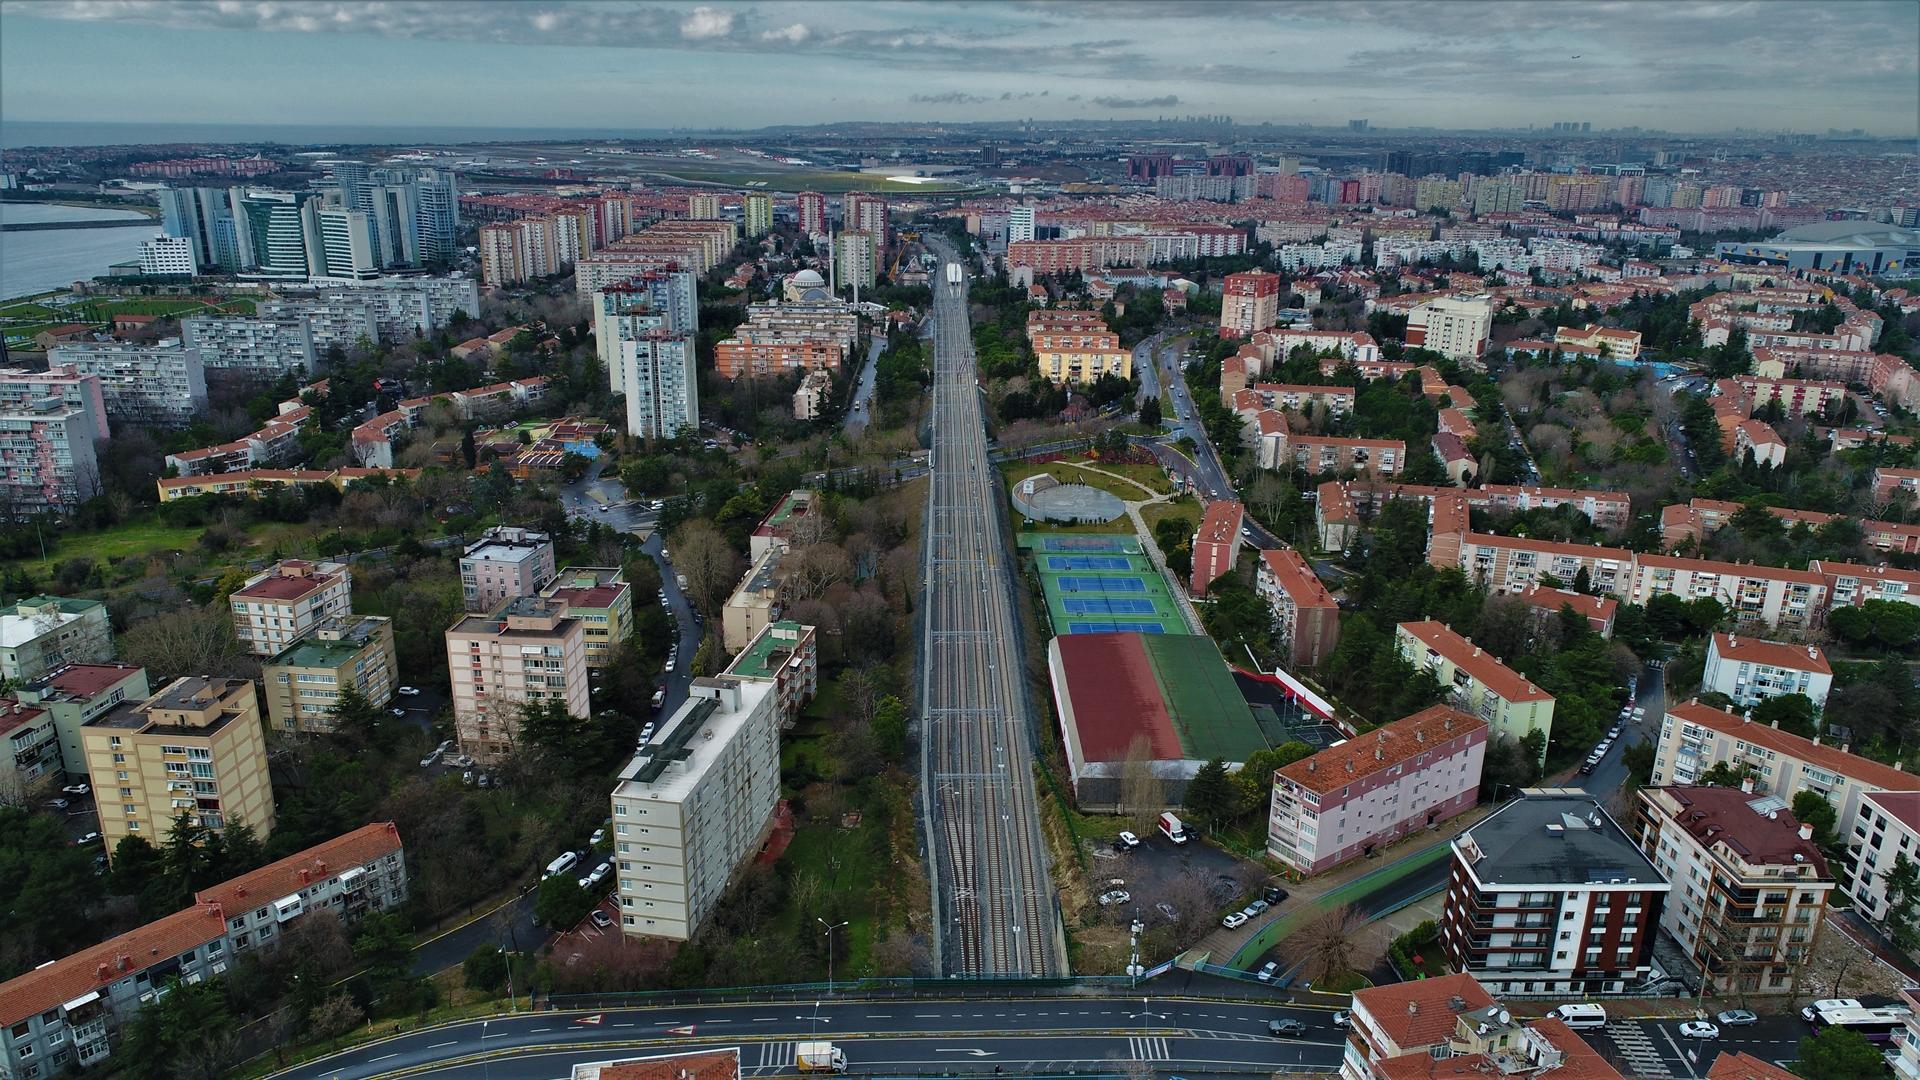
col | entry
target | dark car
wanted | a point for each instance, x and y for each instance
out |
(1291, 1029)
(1273, 895)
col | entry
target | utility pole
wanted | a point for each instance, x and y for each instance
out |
(831, 927)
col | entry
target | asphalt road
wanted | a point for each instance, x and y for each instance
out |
(861, 407)
(993, 894)
(1607, 780)
(1655, 1049)
(902, 1036)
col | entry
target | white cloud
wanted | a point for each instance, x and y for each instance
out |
(546, 21)
(705, 22)
(793, 35)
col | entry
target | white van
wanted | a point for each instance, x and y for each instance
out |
(562, 864)
(1581, 1015)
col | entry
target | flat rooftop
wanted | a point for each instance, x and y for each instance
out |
(506, 545)
(316, 652)
(768, 651)
(1552, 836)
(670, 764)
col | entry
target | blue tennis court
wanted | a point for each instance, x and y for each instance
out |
(1103, 605)
(1082, 543)
(1115, 628)
(1088, 562)
(1100, 584)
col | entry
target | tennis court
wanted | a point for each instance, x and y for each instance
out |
(1100, 584)
(1088, 562)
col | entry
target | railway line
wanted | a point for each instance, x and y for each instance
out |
(993, 895)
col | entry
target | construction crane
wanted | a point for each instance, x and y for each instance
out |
(900, 250)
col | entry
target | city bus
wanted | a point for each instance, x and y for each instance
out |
(1877, 1024)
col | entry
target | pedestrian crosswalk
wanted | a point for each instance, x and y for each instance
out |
(1637, 1048)
(772, 1055)
(1147, 1048)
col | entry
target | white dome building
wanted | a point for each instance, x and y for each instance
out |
(804, 287)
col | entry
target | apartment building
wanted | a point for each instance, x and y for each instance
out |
(754, 602)
(527, 650)
(657, 370)
(1075, 346)
(43, 633)
(163, 385)
(1887, 828)
(1305, 616)
(810, 210)
(856, 259)
(1329, 400)
(304, 680)
(1606, 509)
(1607, 341)
(601, 599)
(1788, 600)
(28, 391)
(70, 1012)
(337, 323)
(654, 299)
(865, 213)
(1756, 438)
(1798, 397)
(1889, 481)
(796, 515)
(47, 459)
(1750, 886)
(1696, 737)
(1347, 800)
(1599, 611)
(1477, 682)
(1456, 327)
(75, 694)
(405, 308)
(784, 654)
(1318, 455)
(1409, 1018)
(1216, 545)
(796, 335)
(268, 347)
(1749, 670)
(1249, 303)
(811, 396)
(1550, 897)
(31, 766)
(506, 562)
(1855, 584)
(693, 804)
(283, 603)
(1514, 564)
(195, 748)
(756, 213)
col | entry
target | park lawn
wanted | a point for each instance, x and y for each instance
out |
(1151, 476)
(1068, 472)
(27, 309)
(1185, 506)
(123, 540)
(841, 860)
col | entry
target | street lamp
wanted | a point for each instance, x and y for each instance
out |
(831, 927)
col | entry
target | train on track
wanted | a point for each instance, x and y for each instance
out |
(953, 274)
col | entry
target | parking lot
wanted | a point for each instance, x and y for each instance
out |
(1195, 881)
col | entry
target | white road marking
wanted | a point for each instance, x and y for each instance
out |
(384, 1057)
(437, 1046)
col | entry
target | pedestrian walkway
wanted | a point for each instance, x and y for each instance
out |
(1147, 544)
(1637, 1049)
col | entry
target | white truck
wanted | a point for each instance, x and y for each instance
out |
(1172, 828)
(819, 1057)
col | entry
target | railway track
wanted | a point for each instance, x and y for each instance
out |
(993, 894)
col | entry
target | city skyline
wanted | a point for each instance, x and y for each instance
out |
(1706, 67)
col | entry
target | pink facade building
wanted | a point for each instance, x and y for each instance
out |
(505, 563)
(527, 651)
(62, 383)
(1216, 546)
(1346, 800)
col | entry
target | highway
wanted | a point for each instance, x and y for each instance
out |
(1022, 1035)
(994, 908)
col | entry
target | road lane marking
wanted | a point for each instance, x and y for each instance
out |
(437, 1046)
(384, 1057)
(536, 1030)
(502, 1035)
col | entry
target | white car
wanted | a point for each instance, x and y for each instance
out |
(1128, 840)
(1235, 921)
(1268, 971)
(1114, 896)
(671, 664)
(408, 691)
(76, 790)
(1699, 1029)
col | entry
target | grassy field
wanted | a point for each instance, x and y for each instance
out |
(21, 321)
(1185, 506)
(134, 538)
(1068, 472)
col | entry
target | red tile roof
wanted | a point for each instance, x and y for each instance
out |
(295, 872)
(1734, 1065)
(1382, 748)
(597, 596)
(1902, 806)
(1485, 667)
(287, 587)
(1598, 608)
(1421, 1013)
(1723, 815)
(92, 968)
(1772, 653)
(1865, 770)
(86, 680)
(1296, 578)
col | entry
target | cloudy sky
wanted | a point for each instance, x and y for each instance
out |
(1693, 65)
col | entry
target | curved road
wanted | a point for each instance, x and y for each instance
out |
(994, 908)
(903, 1036)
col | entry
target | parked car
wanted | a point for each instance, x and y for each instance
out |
(1167, 910)
(432, 756)
(1340, 1018)
(408, 691)
(1258, 907)
(58, 804)
(460, 761)
(1699, 1029)
(90, 838)
(1268, 970)
(1114, 896)
(1274, 894)
(76, 790)
(598, 835)
(1291, 1029)
(397, 711)
(601, 919)
(1127, 841)
(671, 664)
(1235, 921)
(1737, 1018)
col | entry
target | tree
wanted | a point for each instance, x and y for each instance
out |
(1788, 712)
(562, 903)
(1722, 774)
(180, 1034)
(1326, 946)
(709, 563)
(335, 1016)
(1838, 1054)
(1141, 795)
(1255, 778)
(188, 641)
(1812, 808)
(1903, 891)
(889, 726)
(485, 969)
(1150, 412)
(1210, 795)
(357, 718)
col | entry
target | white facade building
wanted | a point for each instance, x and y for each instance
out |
(661, 384)
(261, 346)
(284, 602)
(167, 255)
(1456, 327)
(163, 384)
(1750, 671)
(1019, 224)
(694, 804)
